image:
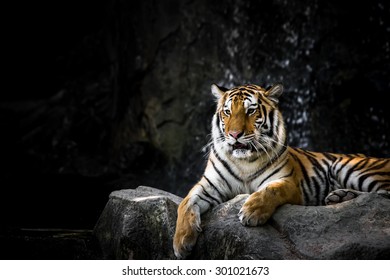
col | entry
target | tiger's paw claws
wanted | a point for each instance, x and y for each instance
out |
(184, 243)
(187, 231)
(253, 215)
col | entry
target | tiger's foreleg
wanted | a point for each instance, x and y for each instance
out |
(188, 219)
(187, 228)
(260, 205)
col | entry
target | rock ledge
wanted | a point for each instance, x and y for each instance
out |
(140, 223)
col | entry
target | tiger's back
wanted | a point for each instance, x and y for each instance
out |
(322, 173)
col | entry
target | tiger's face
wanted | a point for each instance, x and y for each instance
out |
(244, 120)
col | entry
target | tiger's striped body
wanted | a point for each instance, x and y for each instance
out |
(249, 154)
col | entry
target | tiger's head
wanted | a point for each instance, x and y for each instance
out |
(247, 123)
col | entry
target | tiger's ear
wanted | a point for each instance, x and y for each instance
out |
(217, 91)
(274, 93)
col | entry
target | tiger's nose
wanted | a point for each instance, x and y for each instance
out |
(236, 134)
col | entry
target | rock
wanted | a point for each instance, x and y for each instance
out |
(225, 238)
(356, 229)
(140, 223)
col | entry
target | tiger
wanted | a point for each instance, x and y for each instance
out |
(248, 154)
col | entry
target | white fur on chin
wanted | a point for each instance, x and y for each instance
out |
(241, 153)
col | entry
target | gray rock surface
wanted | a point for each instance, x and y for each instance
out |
(140, 223)
(356, 229)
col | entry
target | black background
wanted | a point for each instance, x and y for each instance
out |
(105, 95)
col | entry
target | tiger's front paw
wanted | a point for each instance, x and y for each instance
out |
(255, 211)
(186, 234)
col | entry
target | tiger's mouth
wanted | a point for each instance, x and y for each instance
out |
(240, 146)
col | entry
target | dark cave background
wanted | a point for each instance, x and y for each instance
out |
(112, 94)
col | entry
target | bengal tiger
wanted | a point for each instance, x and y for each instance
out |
(248, 154)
